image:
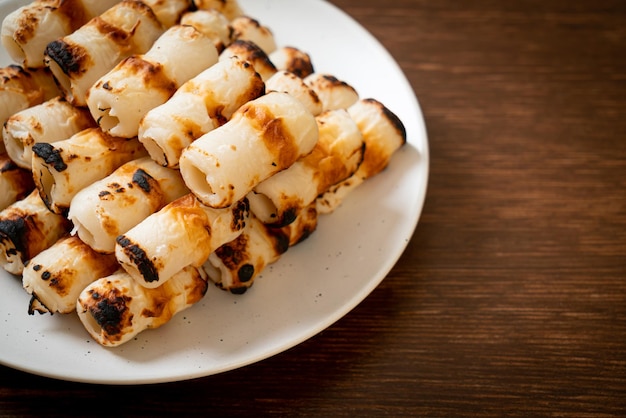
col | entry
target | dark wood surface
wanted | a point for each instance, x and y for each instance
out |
(510, 299)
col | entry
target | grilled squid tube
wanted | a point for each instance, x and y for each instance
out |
(111, 206)
(293, 60)
(27, 30)
(288, 82)
(336, 156)
(79, 59)
(264, 136)
(213, 24)
(248, 29)
(56, 276)
(62, 169)
(27, 228)
(383, 133)
(200, 105)
(114, 309)
(229, 8)
(334, 93)
(183, 233)
(252, 53)
(15, 182)
(51, 121)
(235, 265)
(22, 88)
(120, 99)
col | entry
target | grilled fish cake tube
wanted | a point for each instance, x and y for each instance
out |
(252, 53)
(169, 12)
(287, 82)
(51, 121)
(229, 8)
(212, 23)
(27, 30)
(56, 276)
(264, 136)
(293, 60)
(22, 88)
(383, 133)
(336, 156)
(62, 169)
(116, 308)
(200, 105)
(334, 93)
(27, 228)
(248, 29)
(120, 99)
(183, 233)
(15, 182)
(111, 206)
(79, 59)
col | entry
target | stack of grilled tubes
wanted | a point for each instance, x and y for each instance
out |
(153, 147)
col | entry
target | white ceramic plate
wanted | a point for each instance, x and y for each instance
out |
(312, 286)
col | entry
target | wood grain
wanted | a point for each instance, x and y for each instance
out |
(510, 299)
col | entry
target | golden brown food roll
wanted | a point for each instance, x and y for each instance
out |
(51, 121)
(62, 169)
(120, 99)
(294, 60)
(56, 276)
(79, 59)
(249, 29)
(229, 8)
(200, 105)
(287, 82)
(27, 30)
(111, 206)
(169, 12)
(250, 52)
(383, 133)
(264, 136)
(22, 88)
(116, 308)
(334, 93)
(212, 23)
(181, 234)
(336, 156)
(27, 228)
(15, 182)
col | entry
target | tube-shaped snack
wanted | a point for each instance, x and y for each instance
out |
(22, 88)
(110, 207)
(248, 29)
(15, 182)
(336, 156)
(27, 228)
(212, 23)
(51, 121)
(288, 82)
(181, 234)
(264, 136)
(383, 133)
(334, 93)
(79, 59)
(116, 308)
(56, 276)
(200, 105)
(169, 12)
(236, 264)
(121, 98)
(294, 60)
(229, 8)
(250, 52)
(27, 30)
(62, 169)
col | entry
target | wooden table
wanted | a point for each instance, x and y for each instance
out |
(511, 297)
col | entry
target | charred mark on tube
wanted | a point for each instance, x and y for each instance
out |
(50, 155)
(69, 58)
(15, 231)
(143, 180)
(109, 310)
(139, 258)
